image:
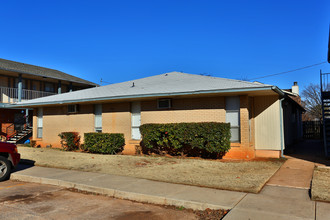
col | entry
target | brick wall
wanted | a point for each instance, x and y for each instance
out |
(57, 120)
(244, 149)
(7, 117)
(185, 110)
(116, 118)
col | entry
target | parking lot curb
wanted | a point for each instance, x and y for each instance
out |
(119, 194)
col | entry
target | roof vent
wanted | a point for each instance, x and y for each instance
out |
(133, 84)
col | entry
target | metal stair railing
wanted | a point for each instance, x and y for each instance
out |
(17, 132)
(325, 98)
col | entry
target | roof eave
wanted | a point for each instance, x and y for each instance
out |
(57, 78)
(146, 96)
(278, 91)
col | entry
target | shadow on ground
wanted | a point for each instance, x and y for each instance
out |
(24, 164)
(310, 150)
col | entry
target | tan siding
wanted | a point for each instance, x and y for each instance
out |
(185, 110)
(267, 123)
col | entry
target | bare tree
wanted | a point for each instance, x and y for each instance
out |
(312, 101)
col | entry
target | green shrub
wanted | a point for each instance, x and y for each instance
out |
(104, 143)
(70, 141)
(206, 139)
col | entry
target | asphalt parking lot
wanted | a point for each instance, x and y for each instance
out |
(21, 200)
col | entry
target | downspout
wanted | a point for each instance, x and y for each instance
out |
(281, 127)
(282, 95)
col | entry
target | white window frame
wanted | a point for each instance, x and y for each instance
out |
(135, 120)
(233, 108)
(40, 123)
(98, 117)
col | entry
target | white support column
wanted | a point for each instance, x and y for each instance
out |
(59, 87)
(27, 117)
(70, 87)
(20, 87)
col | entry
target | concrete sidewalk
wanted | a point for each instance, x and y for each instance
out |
(286, 194)
(296, 173)
(131, 188)
(279, 203)
(273, 202)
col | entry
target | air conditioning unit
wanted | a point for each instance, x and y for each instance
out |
(73, 108)
(164, 103)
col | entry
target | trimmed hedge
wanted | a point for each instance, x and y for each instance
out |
(205, 139)
(70, 141)
(104, 143)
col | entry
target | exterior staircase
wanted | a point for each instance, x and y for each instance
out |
(325, 97)
(21, 135)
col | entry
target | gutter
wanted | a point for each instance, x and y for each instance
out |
(12, 106)
(278, 91)
(281, 127)
(144, 96)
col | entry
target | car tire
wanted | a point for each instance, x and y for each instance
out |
(5, 168)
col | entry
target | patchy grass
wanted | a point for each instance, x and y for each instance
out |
(320, 184)
(246, 176)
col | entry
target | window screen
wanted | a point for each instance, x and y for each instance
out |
(39, 123)
(233, 117)
(98, 118)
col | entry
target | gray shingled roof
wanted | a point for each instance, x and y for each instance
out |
(168, 84)
(40, 71)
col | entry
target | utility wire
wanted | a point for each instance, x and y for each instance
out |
(102, 81)
(275, 74)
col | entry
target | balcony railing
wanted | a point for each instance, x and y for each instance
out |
(10, 95)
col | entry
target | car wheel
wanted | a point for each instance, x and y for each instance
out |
(5, 168)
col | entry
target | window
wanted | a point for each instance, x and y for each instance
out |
(233, 117)
(49, 87)
(164, 103)
(73, 108)
(39, 122)
(136, 120)
(98, 118)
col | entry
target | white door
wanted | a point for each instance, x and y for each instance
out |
(136, 120)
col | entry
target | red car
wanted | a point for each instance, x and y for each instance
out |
(9, 158)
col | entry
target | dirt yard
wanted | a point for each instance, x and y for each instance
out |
(320, 184)
(246, 176)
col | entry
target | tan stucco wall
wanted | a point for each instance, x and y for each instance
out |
(185, 110)
(267, 123)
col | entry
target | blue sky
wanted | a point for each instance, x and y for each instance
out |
(124, 40)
